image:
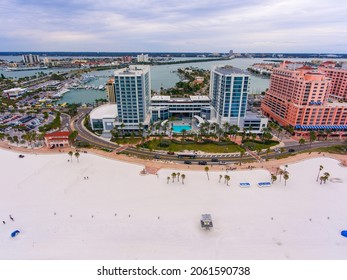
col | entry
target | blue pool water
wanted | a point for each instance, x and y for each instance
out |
(179, 128)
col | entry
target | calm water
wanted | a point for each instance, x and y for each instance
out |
(161, 76)
(166, 75)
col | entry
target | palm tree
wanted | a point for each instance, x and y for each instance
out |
(173, 175)
(280, 172)
(285, 177)
(320, 169)
(242, 152)
(70, 154)
(313, 137)
(279, 130)
(207, 169)
(227, 178)
(326, 176)
(178, 176)
(321, 178)
(184, 132)
(267, 152)
(168, 179)
(273, 178)
(220, 177)
(183, 176)
(77, 154)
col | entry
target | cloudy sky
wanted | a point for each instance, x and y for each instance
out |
(174, 25)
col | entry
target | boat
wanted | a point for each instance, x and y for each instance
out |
(60, 93)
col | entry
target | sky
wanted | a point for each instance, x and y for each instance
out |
(318, 26)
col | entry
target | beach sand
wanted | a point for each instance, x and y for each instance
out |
(119, 214)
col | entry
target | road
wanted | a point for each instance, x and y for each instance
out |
(83, 135)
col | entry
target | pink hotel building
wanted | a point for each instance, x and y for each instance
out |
(308, 99)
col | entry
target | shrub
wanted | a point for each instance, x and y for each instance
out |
(164, 143)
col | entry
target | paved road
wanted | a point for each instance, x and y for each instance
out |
(86, 136)
(65, 121)
(83, 135)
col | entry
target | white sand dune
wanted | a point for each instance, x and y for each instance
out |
(63, 216)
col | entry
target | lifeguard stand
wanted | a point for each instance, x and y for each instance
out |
(206, 221)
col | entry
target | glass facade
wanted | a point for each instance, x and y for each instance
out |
(132, 89)
(229, 93)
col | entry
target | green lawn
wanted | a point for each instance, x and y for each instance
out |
(204, 147)
(254, 145)
(338, 149)
(128, 140)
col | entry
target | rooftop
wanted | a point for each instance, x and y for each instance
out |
(58, 134)
(104, 111)
(191, 98)
(229, 70)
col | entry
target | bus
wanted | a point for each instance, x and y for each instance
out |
(186, 155)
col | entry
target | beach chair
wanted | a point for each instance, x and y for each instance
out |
(264, 184)
(244, 185)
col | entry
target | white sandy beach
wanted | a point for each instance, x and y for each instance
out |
(118, 214)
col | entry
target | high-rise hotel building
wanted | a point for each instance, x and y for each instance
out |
(228, 94)
(31, 59)
(303, 98)
(133, 95)
(338, 78)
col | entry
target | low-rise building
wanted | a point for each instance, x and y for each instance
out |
(57, 139)
(14, 93)
(103, 118)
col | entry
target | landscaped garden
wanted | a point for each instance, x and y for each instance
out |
(205, 146)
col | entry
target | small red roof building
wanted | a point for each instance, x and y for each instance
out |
(57, 139)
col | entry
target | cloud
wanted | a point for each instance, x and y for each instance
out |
(174, 25)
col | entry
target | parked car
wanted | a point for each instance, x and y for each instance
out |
(222, 163)
(187, 162)
(21, 156)
(214, 159)
(291, 150)
(202, 162)
(170, 153)
(157, 157)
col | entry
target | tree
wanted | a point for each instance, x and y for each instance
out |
(326, 176)
(183, 176)
(268, 150)
(313, 137)
(220, 177)
(285, 177)
(320, 169)
(273, 178)
(178, 176)
(281, 172)
(207, 169)
(242, 152)
(227, 178)
(73, 136)
(184, 132)
(77, 155)
(168, 179)
(70, 154)
(279, 130)
(302, 141)
(173, 175)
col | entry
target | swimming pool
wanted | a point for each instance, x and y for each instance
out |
(179, 128)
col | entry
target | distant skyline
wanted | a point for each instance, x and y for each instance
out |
(305, 26)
